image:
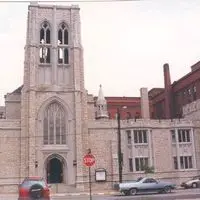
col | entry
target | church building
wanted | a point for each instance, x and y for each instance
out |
(50, 122)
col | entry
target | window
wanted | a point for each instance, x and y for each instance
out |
(128, 132)
(45, 40)
(63, 42)
(184, 135)
(175, 162)
(130, 164)
(54, 125)
(173, 136)
(141, 163)
(1, 115)
(150, 180)
(140, 136)
(186, 162)
(194, 93)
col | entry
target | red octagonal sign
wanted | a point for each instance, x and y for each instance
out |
(89, 160)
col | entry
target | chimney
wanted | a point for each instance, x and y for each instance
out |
(144, 103)
(167, 85)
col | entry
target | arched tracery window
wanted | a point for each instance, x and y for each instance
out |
(63, 42)
(54, 124)
(45, 40)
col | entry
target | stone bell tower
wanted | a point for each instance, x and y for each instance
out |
(53, 95)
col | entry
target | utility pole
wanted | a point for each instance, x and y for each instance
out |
(119, 145)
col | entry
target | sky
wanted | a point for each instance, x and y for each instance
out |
(125, 43)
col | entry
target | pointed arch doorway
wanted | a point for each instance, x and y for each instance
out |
(55, 169)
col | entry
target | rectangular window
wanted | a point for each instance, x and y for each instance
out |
(184, 135)
(140, 136)
(128, 132)
(186, 162)
(141, 163)
(173, 136)
(175, 163)
(130, 164)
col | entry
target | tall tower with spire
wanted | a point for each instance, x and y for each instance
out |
(101, 105)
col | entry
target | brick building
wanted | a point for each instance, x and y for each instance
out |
(49, 123)
(176, 94)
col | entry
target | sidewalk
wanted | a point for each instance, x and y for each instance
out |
(95, 193)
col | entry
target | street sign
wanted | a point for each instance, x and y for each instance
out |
(89, 160)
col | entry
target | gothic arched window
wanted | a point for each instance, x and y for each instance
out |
(54, 124)
(45, 40)
(63, 42)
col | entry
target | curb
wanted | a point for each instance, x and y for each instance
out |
(84, 194)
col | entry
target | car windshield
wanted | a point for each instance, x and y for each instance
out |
(139, 179)
(29, 182)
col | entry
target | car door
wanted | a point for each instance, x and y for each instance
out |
(148, 185)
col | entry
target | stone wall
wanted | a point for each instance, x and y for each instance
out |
(103, 143)
(9, 155)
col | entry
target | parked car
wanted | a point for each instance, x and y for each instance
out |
(145, 185)
(34, 188)
(192, 183)
(116, 185)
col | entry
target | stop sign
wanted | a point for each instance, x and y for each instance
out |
(89, 160)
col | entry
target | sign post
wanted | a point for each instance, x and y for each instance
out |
(89, 160)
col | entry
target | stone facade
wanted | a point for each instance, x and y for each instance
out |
(49, 123)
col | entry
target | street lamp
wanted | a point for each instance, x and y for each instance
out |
(119, 144)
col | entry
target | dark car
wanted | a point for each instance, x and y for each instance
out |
(34, 188)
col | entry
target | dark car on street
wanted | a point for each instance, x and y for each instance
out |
(34, 188)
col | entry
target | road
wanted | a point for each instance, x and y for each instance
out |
(191, 194)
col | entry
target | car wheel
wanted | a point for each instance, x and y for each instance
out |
(167, 189)
(194, 185)
(126, 193)
(133, 191)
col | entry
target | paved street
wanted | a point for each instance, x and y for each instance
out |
(190, 194)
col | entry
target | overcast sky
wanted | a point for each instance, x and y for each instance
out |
(125, 44)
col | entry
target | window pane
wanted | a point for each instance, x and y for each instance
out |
(145, 136)
(66, 56)
(190, 162)
(188, 135)
(146, 161)
(137, 167)
(48, 56)
(60, 36)
(135, 137)
(175, 163)
(128, 136)
(186, 162)
(48, 36)
(173, 136)
(140, 136)
(130, 164)
(142, 164)
(41, 34)
(58, 130)
(179, 136)
(183, 135)
(45, 127)
(182, 162)
(65, 37)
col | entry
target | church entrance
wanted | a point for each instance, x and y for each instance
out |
(54, 170)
